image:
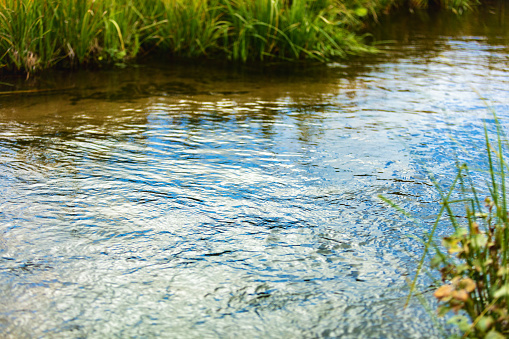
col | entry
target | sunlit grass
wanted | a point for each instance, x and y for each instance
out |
(40, 34)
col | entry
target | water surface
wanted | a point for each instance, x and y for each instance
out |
(187, 200)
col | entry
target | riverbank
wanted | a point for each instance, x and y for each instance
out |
(43, 34)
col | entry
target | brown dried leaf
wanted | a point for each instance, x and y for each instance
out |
(461, 295)
(443, 292)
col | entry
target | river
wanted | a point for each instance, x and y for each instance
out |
(199, 200)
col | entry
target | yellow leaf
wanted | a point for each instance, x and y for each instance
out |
(494, 335)
(502, 292)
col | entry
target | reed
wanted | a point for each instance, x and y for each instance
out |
(40, 34)
(473, 261)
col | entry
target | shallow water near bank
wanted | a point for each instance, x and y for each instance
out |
(183, 200)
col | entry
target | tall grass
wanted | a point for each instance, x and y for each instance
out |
(39, 34)
(473, 261)
(268, 29)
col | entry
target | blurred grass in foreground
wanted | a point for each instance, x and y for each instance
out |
(473, 261)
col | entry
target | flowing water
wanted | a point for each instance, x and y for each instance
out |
(191, 201)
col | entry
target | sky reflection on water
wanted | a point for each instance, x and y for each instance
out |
(189, 201)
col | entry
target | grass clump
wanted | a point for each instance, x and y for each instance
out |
(473, 261)
(37, 35)
(40, 34)
(268, 29)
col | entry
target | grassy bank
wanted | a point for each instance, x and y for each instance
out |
(46, 33)
(41, 34)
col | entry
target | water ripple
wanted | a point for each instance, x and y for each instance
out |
(192, 202)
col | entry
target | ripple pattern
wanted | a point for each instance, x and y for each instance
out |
(183, 205)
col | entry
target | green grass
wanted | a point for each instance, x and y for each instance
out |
(473, 261)
(40, 34)
(46, 33)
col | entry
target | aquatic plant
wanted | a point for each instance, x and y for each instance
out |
(473, 261)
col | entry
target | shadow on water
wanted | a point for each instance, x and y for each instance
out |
(190, 200)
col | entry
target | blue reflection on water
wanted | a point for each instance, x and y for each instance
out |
(246, 206)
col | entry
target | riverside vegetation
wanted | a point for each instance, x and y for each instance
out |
(42, 34)
(473, 261)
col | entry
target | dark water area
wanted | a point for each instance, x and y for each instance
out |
(190, 200)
